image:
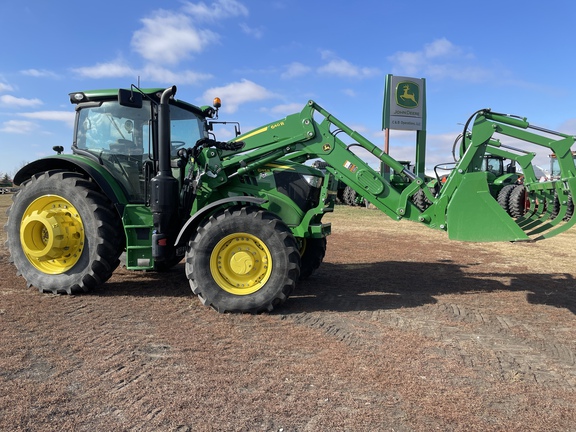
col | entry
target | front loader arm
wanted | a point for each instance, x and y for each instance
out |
(300, 137)
(463, 206)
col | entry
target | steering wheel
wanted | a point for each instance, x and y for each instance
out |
(175, 145)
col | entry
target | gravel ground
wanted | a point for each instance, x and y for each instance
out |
(399, 330)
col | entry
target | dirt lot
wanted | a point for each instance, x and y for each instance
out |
(399, 330)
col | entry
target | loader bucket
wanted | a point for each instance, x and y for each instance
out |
(474, 215)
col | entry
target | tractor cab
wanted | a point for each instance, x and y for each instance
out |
(123, 137)
(555, 166)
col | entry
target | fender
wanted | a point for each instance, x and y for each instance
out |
(96, 172)
(506, 179)
(192, 223)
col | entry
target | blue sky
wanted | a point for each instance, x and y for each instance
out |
(266, 59)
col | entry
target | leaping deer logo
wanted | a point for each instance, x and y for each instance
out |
(408, 96)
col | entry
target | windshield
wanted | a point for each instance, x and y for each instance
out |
(185, 129)
(494, 165)
(554, 168)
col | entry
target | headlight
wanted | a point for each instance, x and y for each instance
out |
(313, 181)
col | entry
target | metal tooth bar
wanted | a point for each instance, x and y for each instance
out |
(533, 214)
(540, 224)
(542, 213)
(551, 221)
(541, 220)
(562, 224)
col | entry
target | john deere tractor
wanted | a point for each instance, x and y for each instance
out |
(148, 180)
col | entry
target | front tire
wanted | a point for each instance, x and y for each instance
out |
(63, 235)
(243, 259)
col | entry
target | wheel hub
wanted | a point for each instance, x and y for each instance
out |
(241, 263)
(52, 234)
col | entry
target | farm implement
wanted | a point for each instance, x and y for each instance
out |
(148, 184)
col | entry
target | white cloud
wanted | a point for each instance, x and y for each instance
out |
(5, 87)
(66, 117)
(295, 69)
(106, 70)
(19, 102)
(286, 109)
(440, 59)
(159, 74)
(18, 127)
(409, 63)
(441, 48)
(39, 73)
(343, 68)
(218, 10)
(169, 37)
(568, 126)
(255, 32)
(150, 73)
(235, 94)
(349, 92)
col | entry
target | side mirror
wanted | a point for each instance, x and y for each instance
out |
(130, 98)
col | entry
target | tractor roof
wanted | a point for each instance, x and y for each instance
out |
(112, 94)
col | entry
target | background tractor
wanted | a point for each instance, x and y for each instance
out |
(555, 174)
(147, 178)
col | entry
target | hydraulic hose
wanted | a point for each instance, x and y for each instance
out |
(463, 135)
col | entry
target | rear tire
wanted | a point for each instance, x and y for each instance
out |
(569, 207)
(517, 201)
(504, 197)
(243, 259)
(312, 252)
(421, 200)
(349, 196)
(64, 236)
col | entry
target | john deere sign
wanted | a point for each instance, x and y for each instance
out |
(404, 103)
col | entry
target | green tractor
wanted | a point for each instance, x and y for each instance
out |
(148, 180)
(504, 183)
(137, 183)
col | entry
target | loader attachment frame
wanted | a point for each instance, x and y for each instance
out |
(546, 201)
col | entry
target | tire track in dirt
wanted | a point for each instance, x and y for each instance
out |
(518, 351)
(128, 355)
(89, 342)
(522, 352)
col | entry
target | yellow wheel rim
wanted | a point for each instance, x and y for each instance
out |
(241, 264)
(52, 234)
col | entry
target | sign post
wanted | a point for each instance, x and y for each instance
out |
(405, 109)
